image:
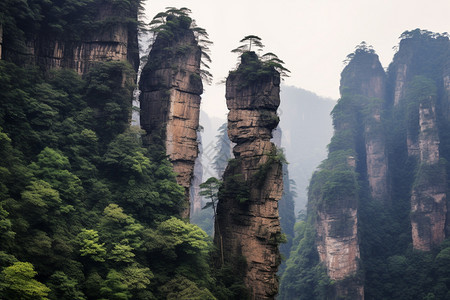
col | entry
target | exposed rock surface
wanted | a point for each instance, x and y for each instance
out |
(114, 41)
(365, 77)
(446, 81)
(253, 183)
(401, 118)
(420, 96)
(428, 199)
(337, 238)
(170, 102)
(195, 198)
(362, 88)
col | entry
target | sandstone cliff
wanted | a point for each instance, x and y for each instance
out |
(247, 212)
(355, 151)
(421, 94)
(170, 101)
(365, 77)
(383, 186)
(110, 35)
(428, 199)
(196, 199)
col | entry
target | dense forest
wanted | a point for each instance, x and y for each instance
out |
(86, 211)
(94, 208)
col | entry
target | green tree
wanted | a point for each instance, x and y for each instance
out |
(114, 288)
(64, 288)
(210, 190)
(182, 288)
(16, 282)
(88, 240)
(249, 41)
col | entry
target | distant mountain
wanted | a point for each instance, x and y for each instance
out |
(306, 124)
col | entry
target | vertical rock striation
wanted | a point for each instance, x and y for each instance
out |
(428, 199)
(170, 102)
(422, 93)
(114, 39)
(196, 199)
(364, 77)
(358, 150)
(247, 212)
(384, 183)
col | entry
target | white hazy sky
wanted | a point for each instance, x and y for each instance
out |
(312, 37)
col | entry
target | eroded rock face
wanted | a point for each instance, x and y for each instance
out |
(420, 97)
(364, 76)
(337, 241)
(338, 247)
(195, 198)
(446, 81)
(170, 103)
(428, 199)
(117, 42)
(247, 212)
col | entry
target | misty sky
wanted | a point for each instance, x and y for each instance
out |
(312, 37)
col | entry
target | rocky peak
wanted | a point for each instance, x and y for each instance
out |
(170, 101)
(247, 212)
(365, 77)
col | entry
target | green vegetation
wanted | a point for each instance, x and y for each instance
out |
(274, 157)
(223, 150)
(287, 216)
(172, 27)
(85, 211)
(253, 68)
(210, 190)
(68, 20)
(391, 268)
(235, 187)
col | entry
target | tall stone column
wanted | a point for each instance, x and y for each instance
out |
(170, 103)
(248, 229)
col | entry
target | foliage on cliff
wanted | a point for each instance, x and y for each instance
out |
(82, 203)
(170, 26)
(70, 20)
(391, 268)
(252, 67)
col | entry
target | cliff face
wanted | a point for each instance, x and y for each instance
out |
(196, 199)
(428, 199)
(247, 212)
(112, 39)
(365, 77)
(362, 154)
(383, 186)
(424, 91)
(170, 102)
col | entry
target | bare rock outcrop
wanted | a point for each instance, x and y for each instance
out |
(170, 102)
(422, 96)
(336, 226)
(114, 39)
(365, 77)
(428, 199)
(247, 212)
